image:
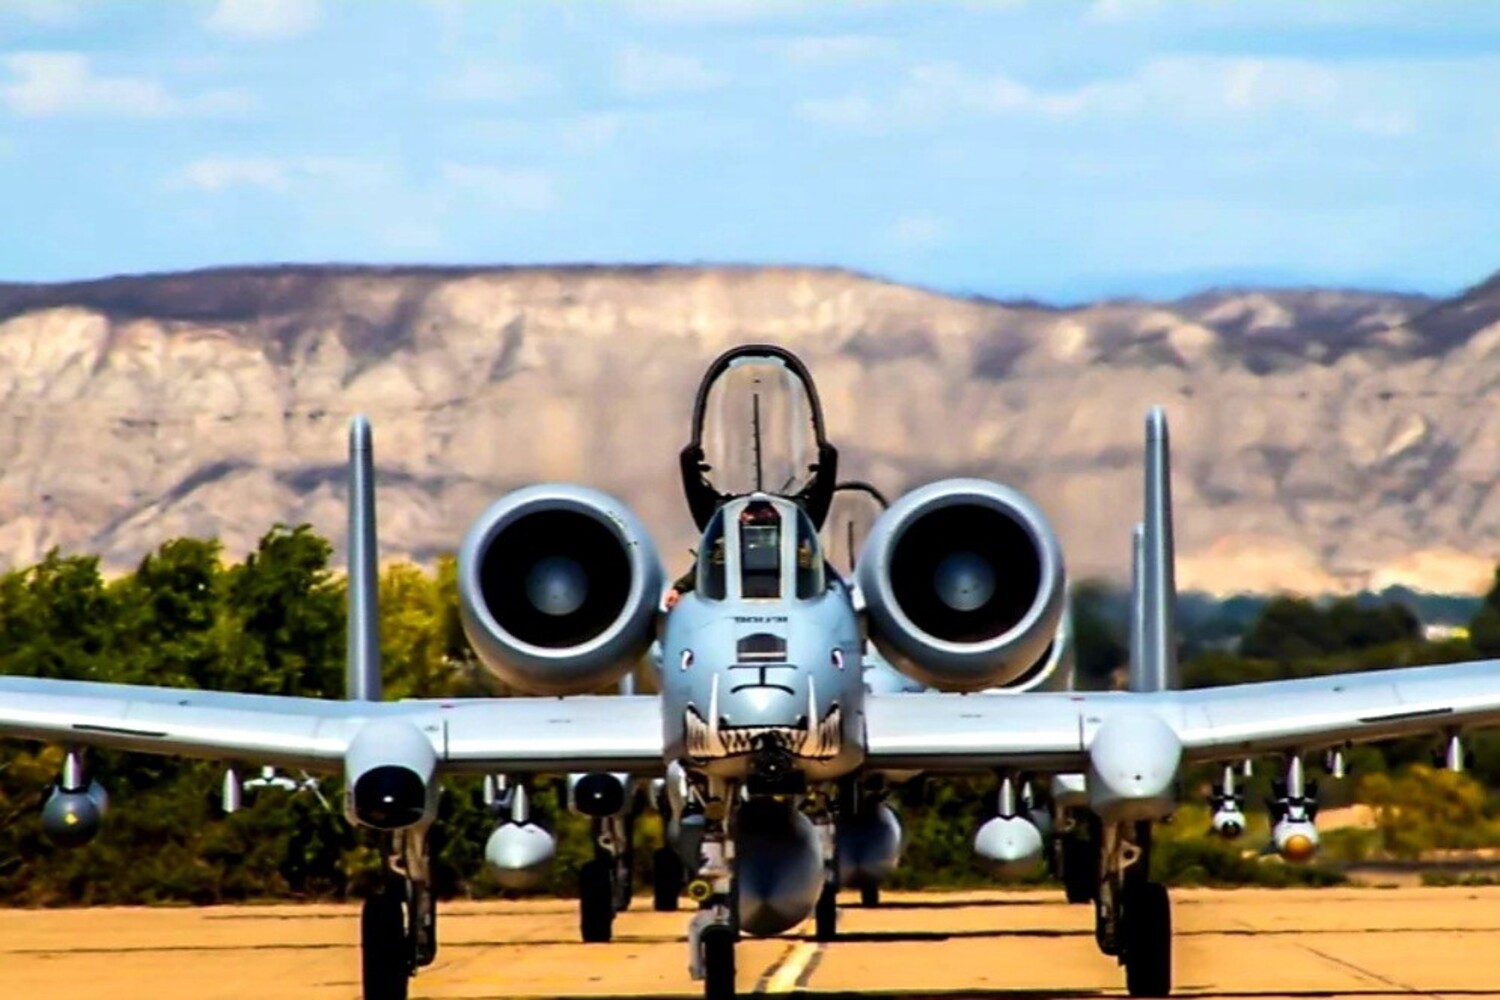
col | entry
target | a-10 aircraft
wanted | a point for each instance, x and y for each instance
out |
(770, 744)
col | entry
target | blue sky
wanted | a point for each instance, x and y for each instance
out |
(1002, 147)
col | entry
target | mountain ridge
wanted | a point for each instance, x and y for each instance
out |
(1327, 440)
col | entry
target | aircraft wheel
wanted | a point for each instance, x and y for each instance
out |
(596, 904)
(1080, 870)
(826, 914)
(384, 953)
(718, 963)
(666, 879)
(869, 895)
(1148, 941)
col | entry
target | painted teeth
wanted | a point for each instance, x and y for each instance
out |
(819, 741)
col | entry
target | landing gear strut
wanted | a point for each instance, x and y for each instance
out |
(1133, 917)
(398, 925)
(713, 931)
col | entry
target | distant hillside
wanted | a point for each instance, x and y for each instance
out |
(1326, 440)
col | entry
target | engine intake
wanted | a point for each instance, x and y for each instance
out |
(558, 589)
(964, 586)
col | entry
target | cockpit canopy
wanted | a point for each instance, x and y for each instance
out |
(757, 428)
(760, 548)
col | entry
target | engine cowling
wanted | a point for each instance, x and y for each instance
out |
(558, 589)
(964, 586)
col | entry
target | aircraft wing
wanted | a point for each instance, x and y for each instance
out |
(488, 735)
(1053, 732)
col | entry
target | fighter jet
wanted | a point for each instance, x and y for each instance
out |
(765, 735)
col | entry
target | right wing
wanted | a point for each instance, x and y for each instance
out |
(480, 735)
(1053, 732)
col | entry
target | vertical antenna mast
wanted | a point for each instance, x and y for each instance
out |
(755, 429)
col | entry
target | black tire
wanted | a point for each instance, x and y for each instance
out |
(596, 905)
(385, 959)
(666, 880)
(718, 963)
(1080, 870)
(1148, 940)
(869, 895)
(826, 915)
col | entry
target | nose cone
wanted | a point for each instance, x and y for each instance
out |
(1009, 846)
(1295, 840)
(1133, 761)
(964, 581)
(521, 854)
(557, 586)
(72, 819)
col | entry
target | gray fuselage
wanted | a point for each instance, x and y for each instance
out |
(764, 654)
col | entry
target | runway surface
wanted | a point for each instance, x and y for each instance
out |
(1366, 943)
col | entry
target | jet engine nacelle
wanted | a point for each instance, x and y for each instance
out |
(71, 818)
(964, 586)
(558, 589)
(598, 794)
(389, 770)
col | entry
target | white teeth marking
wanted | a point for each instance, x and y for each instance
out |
(710, 739)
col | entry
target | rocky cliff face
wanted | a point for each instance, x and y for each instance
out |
(1325, 440)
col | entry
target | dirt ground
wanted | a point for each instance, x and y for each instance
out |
(1248, 943)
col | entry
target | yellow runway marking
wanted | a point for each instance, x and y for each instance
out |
(784, 980)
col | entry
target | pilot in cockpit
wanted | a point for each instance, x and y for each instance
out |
(759, 536)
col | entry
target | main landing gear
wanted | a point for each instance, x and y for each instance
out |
(398, 925)
(606, 882)
(1075, 855)
(1132, 915)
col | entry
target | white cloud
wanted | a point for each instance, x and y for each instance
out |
(822, 50)
(1121, 10)
(717, 11)
(917, 232)
(486, 83)
(263, 19)
(52, 84)
(45, 12)
(852, 111)
(646, 72)
(280, 174)
(508, 189)
(591, 132)
(1193, 88)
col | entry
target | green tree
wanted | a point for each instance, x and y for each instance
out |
(287, 633)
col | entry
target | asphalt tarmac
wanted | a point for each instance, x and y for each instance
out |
(1242, 944)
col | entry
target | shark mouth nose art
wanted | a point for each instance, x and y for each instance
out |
(807, 737)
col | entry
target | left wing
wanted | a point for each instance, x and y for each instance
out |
(489, 735)
(1053, 732)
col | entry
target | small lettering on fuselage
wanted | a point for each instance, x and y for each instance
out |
(759, 619)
